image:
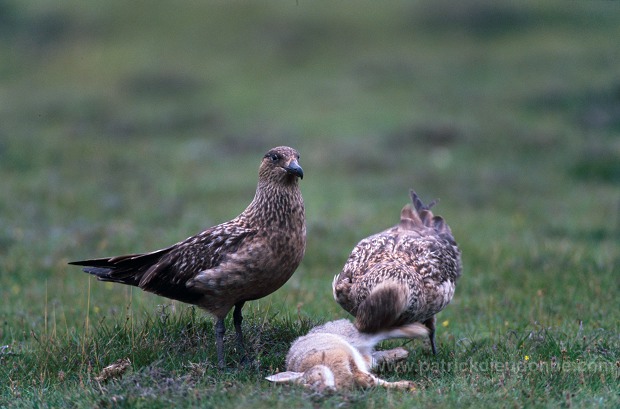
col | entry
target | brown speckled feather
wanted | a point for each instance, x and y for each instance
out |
(419, 255)
(243, 259)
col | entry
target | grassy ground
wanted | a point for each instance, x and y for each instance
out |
(127, 126)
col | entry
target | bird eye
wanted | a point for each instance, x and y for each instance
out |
(273, 156)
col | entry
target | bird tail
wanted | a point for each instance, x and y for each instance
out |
(417, 215)
(127, 269)
(382, 308)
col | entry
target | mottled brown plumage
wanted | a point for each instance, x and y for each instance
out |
(224, 266)
(404, 274)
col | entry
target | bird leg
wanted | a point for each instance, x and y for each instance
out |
(220, 329)
(430, 324)
(238, 319)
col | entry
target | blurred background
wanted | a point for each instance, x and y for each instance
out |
(128, 126)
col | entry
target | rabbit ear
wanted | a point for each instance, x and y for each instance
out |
(288, 376)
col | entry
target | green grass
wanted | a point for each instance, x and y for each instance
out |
(125, 127)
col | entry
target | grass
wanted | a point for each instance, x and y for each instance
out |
(127, 127)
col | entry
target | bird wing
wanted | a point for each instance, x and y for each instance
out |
(343, 285)
(188, 258)
(167, 271)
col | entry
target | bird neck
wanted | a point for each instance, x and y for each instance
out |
(277, 205)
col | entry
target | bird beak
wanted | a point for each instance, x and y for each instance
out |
(293, 168)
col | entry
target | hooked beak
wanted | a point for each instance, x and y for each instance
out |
(293, 168)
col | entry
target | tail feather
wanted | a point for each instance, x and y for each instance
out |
(126, 269)
(424, 211)
(418, 215)
(419, 204)
(100, 272)
(382, 307)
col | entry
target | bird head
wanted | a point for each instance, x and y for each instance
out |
(281, 164)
